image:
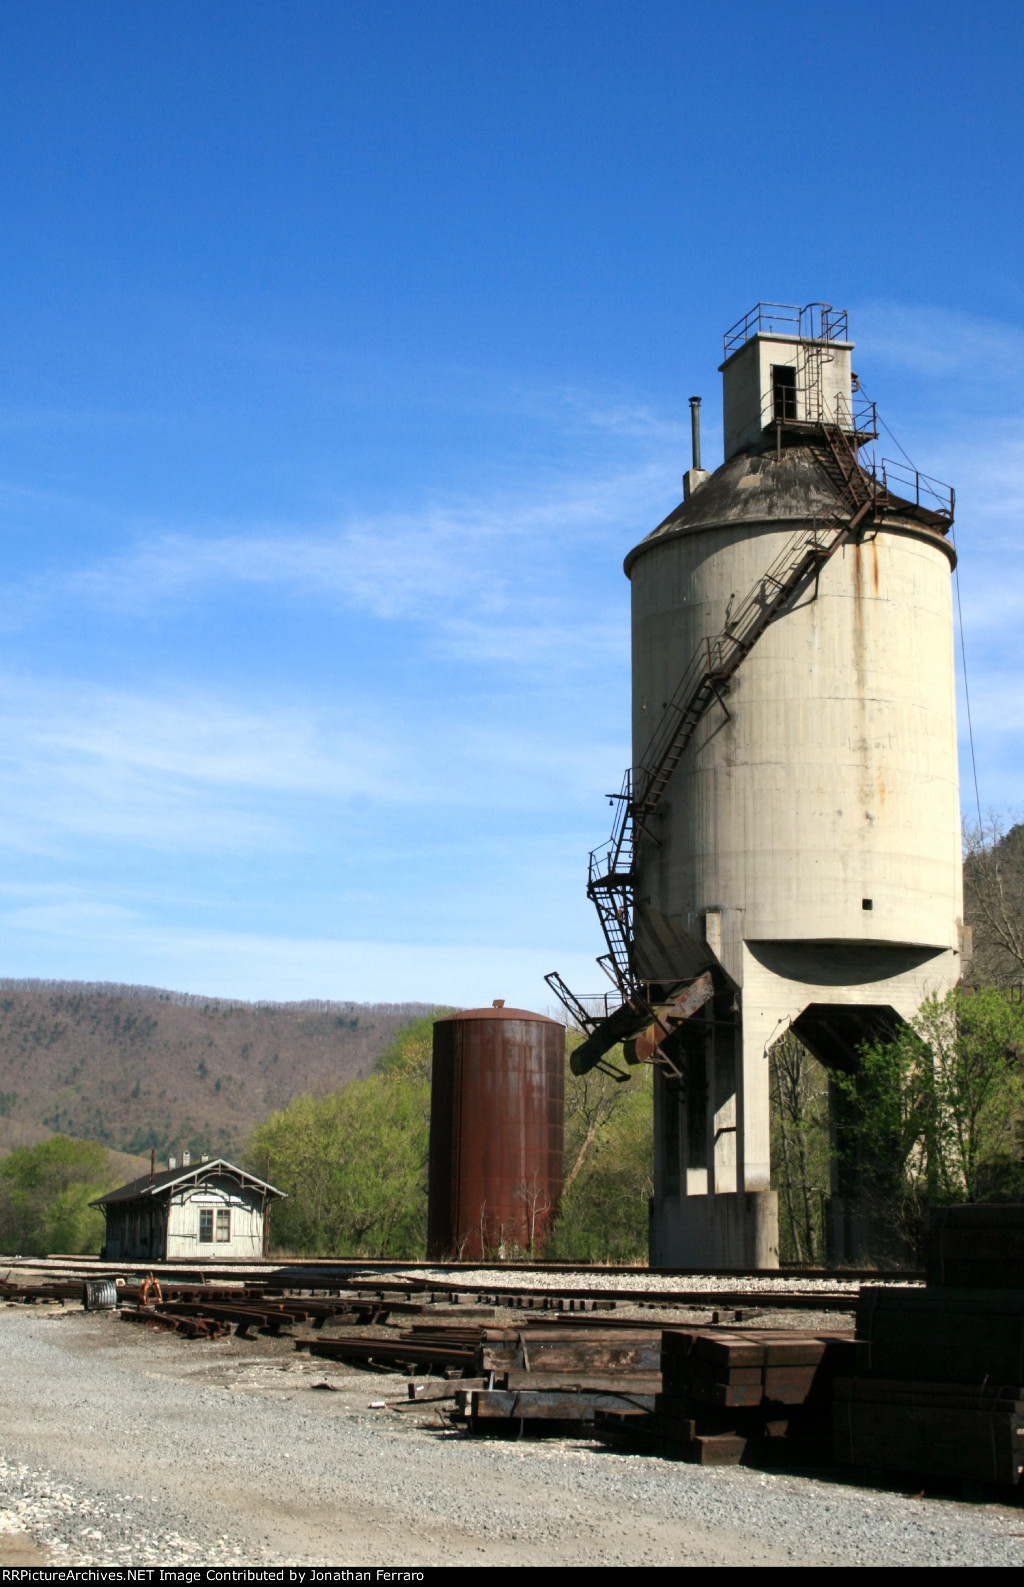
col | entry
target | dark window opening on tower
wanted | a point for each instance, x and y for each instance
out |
(696, 1109)
(867, 903)
(671, 1100)
(784, 391)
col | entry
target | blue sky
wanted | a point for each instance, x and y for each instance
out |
(345, 351)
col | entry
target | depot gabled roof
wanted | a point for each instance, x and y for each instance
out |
(191, 1174)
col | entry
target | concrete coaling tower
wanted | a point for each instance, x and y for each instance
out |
(802, 841)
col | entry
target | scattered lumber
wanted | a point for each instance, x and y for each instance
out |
(593, 1350)
(550, 1405)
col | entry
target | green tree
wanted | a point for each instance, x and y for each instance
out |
(354, 1162)
(976, 1042)
(353, 1165)
(45, 1191)
(609, 1165)
(801, 1154)
(410, 1054)
(935, 1115)
(994, 901)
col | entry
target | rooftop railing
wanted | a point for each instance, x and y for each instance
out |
(815, 322)
(904, 480)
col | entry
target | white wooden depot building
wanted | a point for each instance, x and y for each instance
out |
(193, 1212)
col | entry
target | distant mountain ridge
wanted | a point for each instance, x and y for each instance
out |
(141, 1068)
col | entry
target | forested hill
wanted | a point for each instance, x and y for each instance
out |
(136, 1067)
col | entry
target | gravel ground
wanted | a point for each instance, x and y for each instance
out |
(121, 1444)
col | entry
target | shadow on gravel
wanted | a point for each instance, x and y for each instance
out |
(896, 1484)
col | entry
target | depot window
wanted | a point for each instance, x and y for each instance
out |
(211, 1219)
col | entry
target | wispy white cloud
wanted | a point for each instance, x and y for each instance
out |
(198, 737)
(204, 771)
(192, 771)
(393, 566)
(988, 460)
(520, 578)
(523, 581)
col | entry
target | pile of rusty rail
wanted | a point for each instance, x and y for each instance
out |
(32, 1294)
(428, 1349)
(228, 1308)
(270, 1309)
(175, 1322)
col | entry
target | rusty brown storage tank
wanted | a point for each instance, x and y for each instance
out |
(496, 1125)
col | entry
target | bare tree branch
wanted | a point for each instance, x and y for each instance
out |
(994, 901)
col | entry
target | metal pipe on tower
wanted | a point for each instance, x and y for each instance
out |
(695, 430)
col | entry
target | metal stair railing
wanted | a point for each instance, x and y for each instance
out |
(862, 489)
(587, 1019)
(611, 874)
(938, 498)
(716, 660)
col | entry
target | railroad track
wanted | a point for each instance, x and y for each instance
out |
(91, 1266)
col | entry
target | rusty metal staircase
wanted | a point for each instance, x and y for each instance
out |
(611, 876)
(862, 498)
(838, 457)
